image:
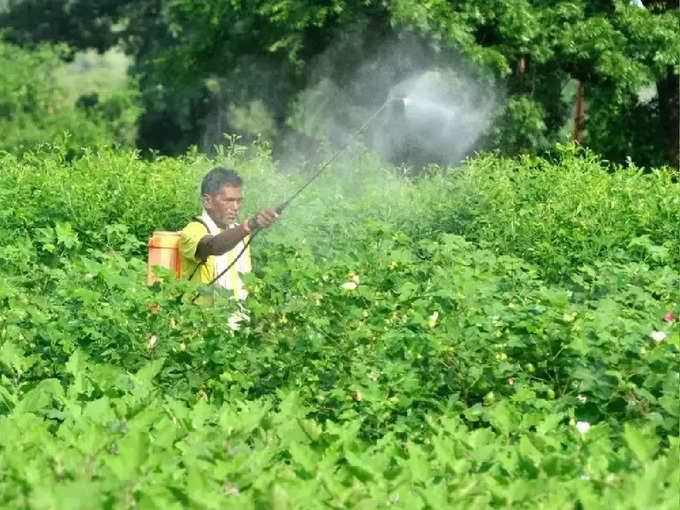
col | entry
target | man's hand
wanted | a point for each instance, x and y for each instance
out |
(264, 218)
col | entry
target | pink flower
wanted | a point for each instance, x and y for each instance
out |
(669, 317)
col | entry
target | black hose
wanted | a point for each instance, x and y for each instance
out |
(245, 246)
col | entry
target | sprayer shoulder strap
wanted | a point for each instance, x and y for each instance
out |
(198, 219)
(203, 262)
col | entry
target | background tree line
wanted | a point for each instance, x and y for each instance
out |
(193, 59)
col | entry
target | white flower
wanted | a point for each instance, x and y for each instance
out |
(153, 340)
(432, 319)
(658, 336)
(355, 278)
(349, 285)
(235, 320)
(582, 426)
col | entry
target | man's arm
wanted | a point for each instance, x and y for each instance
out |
(224, 241)
(220, 243)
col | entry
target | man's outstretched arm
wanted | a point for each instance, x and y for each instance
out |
(224, 241)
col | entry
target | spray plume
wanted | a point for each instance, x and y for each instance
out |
(440, 118)
(440, 104)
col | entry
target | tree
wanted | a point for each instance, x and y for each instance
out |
(79, 23)
(33, 110)
(613, 48)
(668, 79)
(192, 56)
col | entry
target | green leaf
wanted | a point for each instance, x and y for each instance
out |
(66, 237)
(642, 444)
(76, 367)
(129, 455)
(41, 396)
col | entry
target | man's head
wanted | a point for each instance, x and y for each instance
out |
(221, 195)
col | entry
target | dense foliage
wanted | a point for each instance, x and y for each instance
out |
(197, 59)
(35, 109)
(503, 335)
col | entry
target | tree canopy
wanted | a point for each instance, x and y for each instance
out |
(194, 57)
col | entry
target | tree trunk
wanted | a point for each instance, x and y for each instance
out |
(580, 114)
(668, 89)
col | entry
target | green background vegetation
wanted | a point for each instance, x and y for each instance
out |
(547, 277)
(205, 68)
(499, 334)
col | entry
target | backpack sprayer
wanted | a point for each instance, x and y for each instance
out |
(397, 102)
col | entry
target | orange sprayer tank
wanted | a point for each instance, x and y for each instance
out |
(164, 252)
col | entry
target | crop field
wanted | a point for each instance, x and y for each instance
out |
(503, 334)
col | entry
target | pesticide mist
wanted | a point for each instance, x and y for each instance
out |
(439, 119)
(447, 105)
(440, 112)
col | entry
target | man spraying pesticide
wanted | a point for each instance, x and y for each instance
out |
(213, 249)
(211, 246)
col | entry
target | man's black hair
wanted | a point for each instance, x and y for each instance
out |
(219, 177)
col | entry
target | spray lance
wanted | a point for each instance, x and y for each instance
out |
(398, 103)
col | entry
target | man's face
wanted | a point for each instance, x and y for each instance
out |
(224, 206)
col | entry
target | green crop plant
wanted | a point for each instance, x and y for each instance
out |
(501, 335)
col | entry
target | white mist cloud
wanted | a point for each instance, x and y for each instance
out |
(441, 119)
(446, 112)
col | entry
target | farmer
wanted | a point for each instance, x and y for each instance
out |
(207, 247)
